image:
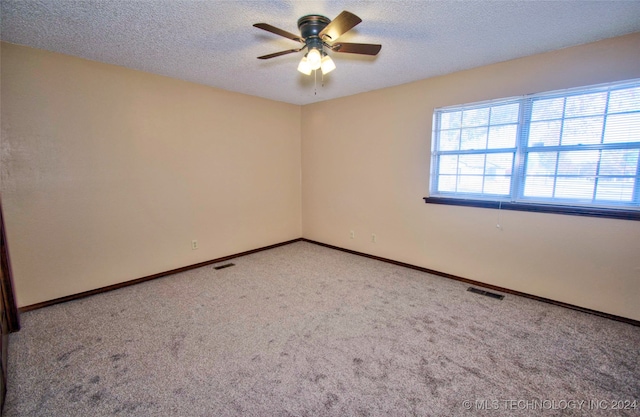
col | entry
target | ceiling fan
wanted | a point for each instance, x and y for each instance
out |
(316, 33)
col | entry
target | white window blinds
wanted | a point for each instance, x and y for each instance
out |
(576, 147)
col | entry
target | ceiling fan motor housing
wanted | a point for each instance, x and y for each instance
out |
(310, 26)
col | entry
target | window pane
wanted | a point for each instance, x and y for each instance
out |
(547, 109)
(578, 162)
(448, 164)
(541, 163)
(627, 99)
(586, 104)
(577, 147)
(505, 114)
(575, 188)
(615, 189)
(450, 140)
(471, 165)
(582, 131)
(619, 162)
(622, 128)
(539, 187)
(544, 133)
(475, 117)
(450, 120)
(502, 136)
(475, 138)
(447, 183)
(499, 164)
(470, 184)
(497, 185)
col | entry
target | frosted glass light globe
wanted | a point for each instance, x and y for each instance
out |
(314, 59)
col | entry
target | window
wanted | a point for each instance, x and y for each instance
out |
(574, 151)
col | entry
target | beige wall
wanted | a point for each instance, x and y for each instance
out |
(109, 173)
(366, 162)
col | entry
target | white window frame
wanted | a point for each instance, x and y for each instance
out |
(516, 198)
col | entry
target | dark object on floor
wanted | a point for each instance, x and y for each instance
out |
(487, 293)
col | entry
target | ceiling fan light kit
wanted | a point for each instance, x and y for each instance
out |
(318, 32)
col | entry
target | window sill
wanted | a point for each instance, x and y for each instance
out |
(608, 213)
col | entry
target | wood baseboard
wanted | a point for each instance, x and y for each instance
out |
(484, 285)
(147, 278)
(378, 258)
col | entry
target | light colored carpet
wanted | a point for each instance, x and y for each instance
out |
(303, 330)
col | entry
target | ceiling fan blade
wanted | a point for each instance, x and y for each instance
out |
(343, 23)
(356, 48)
(290, 51)
(277, 31)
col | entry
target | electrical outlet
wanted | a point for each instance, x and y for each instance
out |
(352, 234)
(374, 238)
(194, 244)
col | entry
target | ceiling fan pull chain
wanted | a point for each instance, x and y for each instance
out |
(315, 82)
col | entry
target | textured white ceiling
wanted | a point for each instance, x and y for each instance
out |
(214, 43)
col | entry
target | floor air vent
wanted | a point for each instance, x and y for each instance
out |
(487, 293)
(223, 266)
